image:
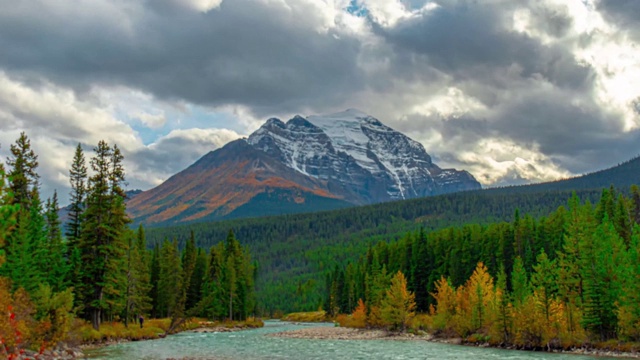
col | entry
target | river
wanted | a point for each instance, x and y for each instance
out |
(254, 345)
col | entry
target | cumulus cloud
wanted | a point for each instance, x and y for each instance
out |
(56, 120)
(153, 164)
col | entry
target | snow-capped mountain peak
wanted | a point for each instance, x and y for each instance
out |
(358, 154)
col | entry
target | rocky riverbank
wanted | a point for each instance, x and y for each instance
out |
(62, 352)
(341, 333)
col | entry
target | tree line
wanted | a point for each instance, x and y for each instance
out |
(295, 251)
(96, 267)
(558, 281)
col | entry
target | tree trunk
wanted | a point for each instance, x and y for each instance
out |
(95, 319)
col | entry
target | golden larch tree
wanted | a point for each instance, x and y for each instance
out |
(399, 304)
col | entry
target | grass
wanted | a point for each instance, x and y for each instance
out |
(312, 316)
(250, 323)
(84, 333)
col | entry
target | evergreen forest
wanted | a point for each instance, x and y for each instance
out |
(97, 269)
(563, 280)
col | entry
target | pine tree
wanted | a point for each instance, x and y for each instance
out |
(194, 294)
(169, 279)
(37, 241)
(421, 270)
(635, 204)
(629, 306)
(213, 298)
(56, 265)
(78, 180)
(544, 283)
(603, 276)
(138, 286)
(622, 220)
(519, 282)
(504, 321)
(23, 177)
(24, 248)
(8, 215)
(102, 236)
(154, 279)
(188, 265)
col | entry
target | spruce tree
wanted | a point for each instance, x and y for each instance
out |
(78, 180)
(504, 321)
(23, 178)
(169, 280)
(102, 236)
(194, 294)
(213, 295)
(8, 214)
(24, 245)
(56, 265)
(603, 275)
(544, 283)
(154, 279)
(138, 286)
(421, 270)
(519, 282)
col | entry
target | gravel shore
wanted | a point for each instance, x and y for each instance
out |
(341, 333)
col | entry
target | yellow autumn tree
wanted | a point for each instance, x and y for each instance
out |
(475, 303)
(399, 304)
(445, 309)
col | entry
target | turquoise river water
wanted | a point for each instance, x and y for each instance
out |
(254, 345)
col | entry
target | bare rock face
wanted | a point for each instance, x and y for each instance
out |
(360, 158)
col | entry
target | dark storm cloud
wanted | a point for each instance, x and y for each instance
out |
(624, 13)
(245, 52)
(536, 94)
(471, 41)
(582, 137)
(277, 57)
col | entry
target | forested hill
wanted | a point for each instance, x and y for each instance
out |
(294, 250)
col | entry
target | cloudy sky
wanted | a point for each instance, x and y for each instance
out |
(512, 90)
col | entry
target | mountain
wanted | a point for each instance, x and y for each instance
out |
(307, 164)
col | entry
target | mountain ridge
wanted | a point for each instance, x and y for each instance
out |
(320, 162)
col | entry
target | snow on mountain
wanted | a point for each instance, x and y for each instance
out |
(360, 158)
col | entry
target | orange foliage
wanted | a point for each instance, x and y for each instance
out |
(359, 316)
(15, 320)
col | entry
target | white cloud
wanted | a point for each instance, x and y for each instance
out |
(153, 121)
(204, 5)
(502, 162)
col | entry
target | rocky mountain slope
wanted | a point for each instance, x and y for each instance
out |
(306, 164)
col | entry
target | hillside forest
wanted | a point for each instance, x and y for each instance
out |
(99, 269)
